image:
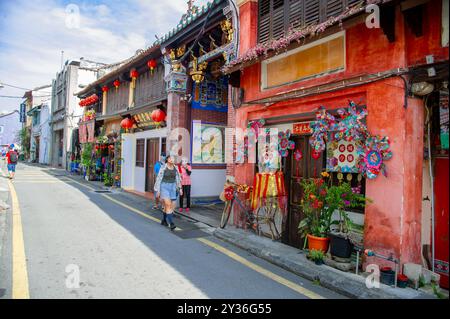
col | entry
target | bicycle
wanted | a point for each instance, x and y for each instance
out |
(265, 219)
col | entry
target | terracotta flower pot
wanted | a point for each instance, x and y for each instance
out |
(318, 243)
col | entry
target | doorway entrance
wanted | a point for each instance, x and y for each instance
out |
(295, 171)
(152, 157)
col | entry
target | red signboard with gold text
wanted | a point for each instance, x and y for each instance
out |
(302, 128)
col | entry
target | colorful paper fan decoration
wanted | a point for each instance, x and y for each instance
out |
(377, 151)
(350, 126)
(255, 126)
(284, 143)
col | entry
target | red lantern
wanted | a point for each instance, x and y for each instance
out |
(116, 83)
(158, 115)
(134, 74)
(127, 123)
(152, 65)
(105, 88)
(315, 154)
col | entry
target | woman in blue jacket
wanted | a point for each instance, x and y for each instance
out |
(167, 186)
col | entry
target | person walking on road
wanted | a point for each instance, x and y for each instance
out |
(168, 184)
(185, 171)
(156, 169)
(13, 157)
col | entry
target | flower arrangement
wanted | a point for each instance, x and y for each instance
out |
(320, 200)
(89, 115)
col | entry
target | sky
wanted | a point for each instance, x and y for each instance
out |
(33, 34)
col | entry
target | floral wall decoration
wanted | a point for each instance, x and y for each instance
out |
(351, 148)
(284, 143)
(377, 150)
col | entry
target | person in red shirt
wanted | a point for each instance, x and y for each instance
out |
(12, 158)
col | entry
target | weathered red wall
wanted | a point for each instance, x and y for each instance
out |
(393, 220)
(430, 42)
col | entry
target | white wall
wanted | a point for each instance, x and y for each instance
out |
(207, 182)
(127, 169)
(46, 138)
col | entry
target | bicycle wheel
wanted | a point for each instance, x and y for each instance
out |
(226, 213)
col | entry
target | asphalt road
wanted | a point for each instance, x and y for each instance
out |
(81, 244)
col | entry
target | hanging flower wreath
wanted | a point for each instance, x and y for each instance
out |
(284, 143)
(324, 123)
(349, 125)
(377, 150)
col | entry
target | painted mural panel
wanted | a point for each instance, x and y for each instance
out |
(208, 143)
(211, 95)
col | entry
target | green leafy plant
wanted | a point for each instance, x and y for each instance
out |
(316, 221)
(316, 255)
(340, 198)
(86, 158)
(108, 180)
(24, 136)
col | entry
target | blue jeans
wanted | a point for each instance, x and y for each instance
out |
(11, 167)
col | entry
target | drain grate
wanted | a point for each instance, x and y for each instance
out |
(191, 233)
(102, 191)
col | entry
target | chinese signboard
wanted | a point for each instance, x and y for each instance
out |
(303, 128)
(23, 113)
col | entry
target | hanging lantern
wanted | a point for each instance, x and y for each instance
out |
(158, 115)
(133, 74)
(152, 65)
(105, 89)
(127, 123)
(116, 83)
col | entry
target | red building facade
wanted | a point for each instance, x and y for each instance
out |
(374, 67)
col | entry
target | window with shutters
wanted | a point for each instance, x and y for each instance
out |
(140, 151)
(276, 17)
(315, 59)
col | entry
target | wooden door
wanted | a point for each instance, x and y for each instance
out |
(294, 172)
(151, 158)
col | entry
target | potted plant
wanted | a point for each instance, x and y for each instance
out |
(387, 276)
(317, 256)
(108, 180)
(86, 160)
(402, 281)
(316, 224)
(339, 199)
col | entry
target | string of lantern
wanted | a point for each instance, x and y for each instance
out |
(90, 100)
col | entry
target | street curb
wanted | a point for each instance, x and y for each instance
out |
(295, 261)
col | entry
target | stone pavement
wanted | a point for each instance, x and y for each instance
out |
(295, 260)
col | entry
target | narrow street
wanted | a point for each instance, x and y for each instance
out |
(120, 249)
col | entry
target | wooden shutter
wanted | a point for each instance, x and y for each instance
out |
(277, 16)
(334, 8)
(311, 11)
(278, 25)
(264, 20)
(296, 13)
